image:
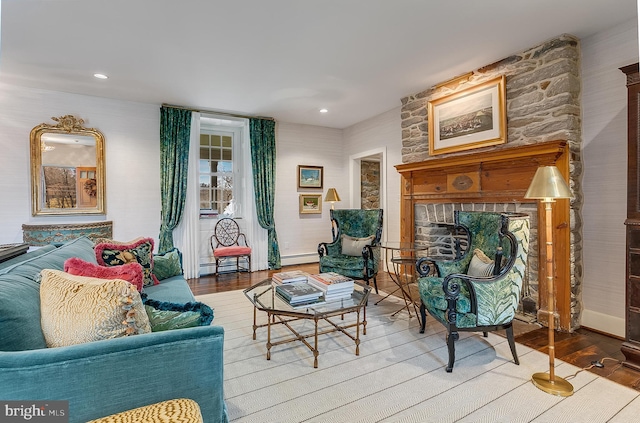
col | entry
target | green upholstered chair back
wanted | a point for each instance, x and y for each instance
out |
(357, 223)
(484, 231)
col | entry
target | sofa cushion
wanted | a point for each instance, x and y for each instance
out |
(78, 309)
(130, 272)
(353, 246)
(174, 289)
(167, 316)
(20, 314)
(54, 259)
(26, 256)
(117, 253)
(167, 264)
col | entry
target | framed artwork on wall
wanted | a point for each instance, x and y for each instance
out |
(310, 203)
(309, 176)
(472, 118)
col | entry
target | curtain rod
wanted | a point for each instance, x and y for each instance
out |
(217, 112)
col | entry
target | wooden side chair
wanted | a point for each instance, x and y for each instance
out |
(230, 247)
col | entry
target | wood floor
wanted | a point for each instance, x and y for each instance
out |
(581, 348)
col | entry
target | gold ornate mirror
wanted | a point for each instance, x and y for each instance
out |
(67, 168)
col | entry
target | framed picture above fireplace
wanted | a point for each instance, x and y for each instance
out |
(471, 118)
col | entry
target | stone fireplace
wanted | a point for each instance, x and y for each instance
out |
(543, 109)
(429, 193)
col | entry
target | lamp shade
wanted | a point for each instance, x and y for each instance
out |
(548, 183)
(332, 195)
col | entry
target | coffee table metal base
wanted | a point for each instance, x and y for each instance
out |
(280, 317)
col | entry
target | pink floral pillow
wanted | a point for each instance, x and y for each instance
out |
(130, 272)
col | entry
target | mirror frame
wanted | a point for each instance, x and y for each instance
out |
(67, 124)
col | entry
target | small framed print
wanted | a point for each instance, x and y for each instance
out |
(310, 203)
(309, 176)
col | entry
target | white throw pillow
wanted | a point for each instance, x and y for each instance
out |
(353, 246)
(480, 265)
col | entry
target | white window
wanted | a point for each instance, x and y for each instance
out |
(219, 169)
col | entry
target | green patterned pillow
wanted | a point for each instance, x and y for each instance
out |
(169, 316)
(116, 253)
(167, 264)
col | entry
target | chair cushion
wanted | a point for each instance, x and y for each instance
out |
(353, 246)
(115, 253)
(480, 264)
(78, 309)
(232, 251)
(432, 295)
(130, 272)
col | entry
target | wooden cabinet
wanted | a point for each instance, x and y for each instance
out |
(631, 345)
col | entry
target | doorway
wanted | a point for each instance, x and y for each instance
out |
(367, 187)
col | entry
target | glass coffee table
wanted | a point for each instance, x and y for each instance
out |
(263, 297)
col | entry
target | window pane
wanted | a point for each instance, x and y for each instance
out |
(203, 166)
(225, 167)
(215, 140)
(215, 154)
(226, 142)
(204, 181)
(226, 154)
(204, 153)
(214, 181)
(204, 139)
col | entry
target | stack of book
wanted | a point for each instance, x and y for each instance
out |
(289, 277)
(299, 294)
(333, 285)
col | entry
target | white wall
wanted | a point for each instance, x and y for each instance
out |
(604, 184)
(299, 234)
(382, 132)
(132, 152)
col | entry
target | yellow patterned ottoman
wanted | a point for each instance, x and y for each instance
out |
(176, 410)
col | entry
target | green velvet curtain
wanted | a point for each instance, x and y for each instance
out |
(175, 133)
(263, 160)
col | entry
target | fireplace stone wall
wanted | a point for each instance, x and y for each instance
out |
(543, 87)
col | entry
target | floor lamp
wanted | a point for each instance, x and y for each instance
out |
(547, 185)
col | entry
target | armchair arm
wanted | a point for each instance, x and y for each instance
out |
(495, 291)
(426, 266)
(106, 377)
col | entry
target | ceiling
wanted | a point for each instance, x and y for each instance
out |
(280, 58)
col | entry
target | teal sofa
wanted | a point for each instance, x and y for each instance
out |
(103, 377)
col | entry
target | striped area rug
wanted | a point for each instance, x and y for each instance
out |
(399, 375)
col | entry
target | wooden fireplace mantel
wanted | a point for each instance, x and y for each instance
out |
(499, 175)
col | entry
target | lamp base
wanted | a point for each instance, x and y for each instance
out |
(558, 387)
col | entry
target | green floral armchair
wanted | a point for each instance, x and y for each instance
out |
(480, 290)
(355, 250)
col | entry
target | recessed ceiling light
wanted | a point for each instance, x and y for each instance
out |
(324, 111)
(100, 76)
